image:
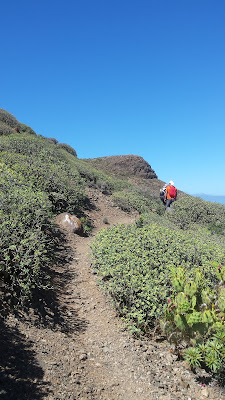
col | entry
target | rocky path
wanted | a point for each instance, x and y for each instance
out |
(82, 351)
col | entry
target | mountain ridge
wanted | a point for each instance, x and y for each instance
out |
(124, 165)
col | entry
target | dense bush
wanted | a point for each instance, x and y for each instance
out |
(135, 263)
(25, 129)
(9, 124)
(5, 129)
(154, 218)
(149, 189)
(98, 179)
(129, 200)
(68, 148)
(192, 210)
(24, 215)
(46, 169)
(36, 180)
(8, 118)
(53, 140)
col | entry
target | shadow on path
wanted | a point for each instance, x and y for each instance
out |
(20, 375)
(54, 307)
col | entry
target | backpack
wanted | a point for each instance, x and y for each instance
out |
(162, 192)
(172, 192)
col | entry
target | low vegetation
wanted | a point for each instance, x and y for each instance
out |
(162, 271)
(38, 179)
(195, 314)
(132, 199)
(192, 210)
(135, 265)
(167, 269)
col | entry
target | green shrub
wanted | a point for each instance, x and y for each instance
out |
(191, 210)
(36, 180)
(196, 313)
(134, 264)
(95, 178)
(8, 118)
(24, 214)
(86, 224)
(149, 218)
(26, 129)
(47, 169)
(210, 354)
(55, 141)
(68, 148)
(131, 199)
(5, 129)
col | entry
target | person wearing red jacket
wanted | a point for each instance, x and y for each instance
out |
(171, 194)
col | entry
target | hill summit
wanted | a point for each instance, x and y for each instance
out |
(125, 165)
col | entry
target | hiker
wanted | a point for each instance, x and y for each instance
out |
(171, 194)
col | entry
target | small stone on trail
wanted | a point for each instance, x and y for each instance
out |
(83, 357)
(205, 393)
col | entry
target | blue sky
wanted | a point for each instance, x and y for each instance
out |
(112, 77)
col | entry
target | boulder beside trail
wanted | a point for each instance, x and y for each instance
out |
(70, 223)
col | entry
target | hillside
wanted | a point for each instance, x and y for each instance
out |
(126, 165)
(81, 349)
(134, 169)
(113, 311)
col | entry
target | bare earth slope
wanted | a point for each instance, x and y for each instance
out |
(84, 351)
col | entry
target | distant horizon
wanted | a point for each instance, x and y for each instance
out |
(209, 197)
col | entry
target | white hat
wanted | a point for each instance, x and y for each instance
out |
(171, 183)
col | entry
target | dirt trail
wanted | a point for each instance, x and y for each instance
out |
(84, 352)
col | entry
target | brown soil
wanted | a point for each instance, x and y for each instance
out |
(80, 349)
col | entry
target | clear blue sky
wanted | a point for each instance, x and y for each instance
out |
(112, 77)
